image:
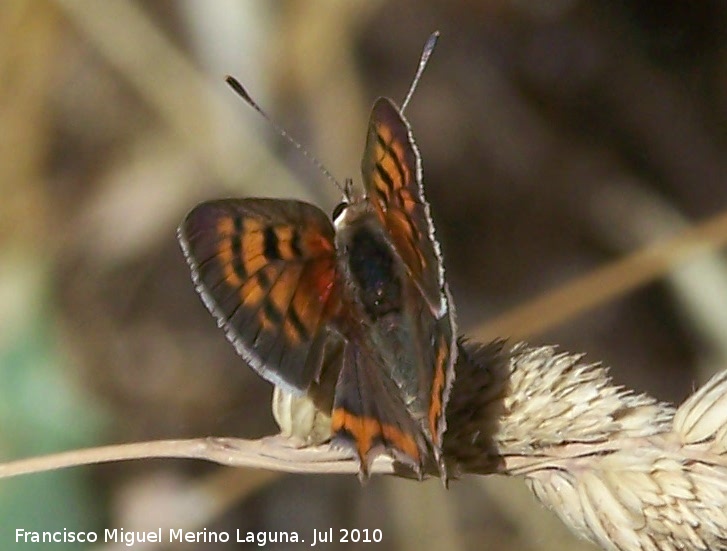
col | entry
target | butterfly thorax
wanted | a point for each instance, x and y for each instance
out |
(369, 263)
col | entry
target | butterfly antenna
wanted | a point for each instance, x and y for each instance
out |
(240, 91)
(426, 53)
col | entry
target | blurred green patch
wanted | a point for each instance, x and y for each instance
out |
(42, 412)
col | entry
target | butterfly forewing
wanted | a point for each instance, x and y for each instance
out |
(266, 270)
(391, 169)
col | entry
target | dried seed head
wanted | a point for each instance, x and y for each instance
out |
(620, 469)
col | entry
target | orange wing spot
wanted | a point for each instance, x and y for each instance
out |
(225, 226)
(385, 132)
(408, 205)
(407, 201)
(401, 441)
(435, 409)
(285, 242)
(315, 243)
(253, 258)
(253, 247)
(362, 430)
(333, 306)
(284, 288)
(398, 150)
(401, 220)
(307, 308)
(399, 226)
(251, 225)
(252, 293)
(320, 279)
(365, 429)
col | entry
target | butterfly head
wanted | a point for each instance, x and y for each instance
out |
(338, 210)
(349, 198)
(352, 212)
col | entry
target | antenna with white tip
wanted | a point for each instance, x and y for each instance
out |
(423, 60)
(240, 91)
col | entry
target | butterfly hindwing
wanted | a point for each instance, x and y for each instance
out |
(369, 415)
(443, 357)
(266, 270)
(392, 176)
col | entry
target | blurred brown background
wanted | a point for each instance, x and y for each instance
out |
(556, 137)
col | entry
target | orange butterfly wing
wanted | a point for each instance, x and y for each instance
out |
(392, 175)
(369, 413)
(266, 270)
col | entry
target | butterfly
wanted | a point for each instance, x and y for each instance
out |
(360, 298)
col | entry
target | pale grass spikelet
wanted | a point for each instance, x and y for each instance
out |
(703, 416)
(620, 469)
(567, 401)
(299, 419)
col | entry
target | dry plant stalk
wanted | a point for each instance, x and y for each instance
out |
(620, 469)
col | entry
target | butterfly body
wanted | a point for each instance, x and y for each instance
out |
(392, 333)
(361, 301)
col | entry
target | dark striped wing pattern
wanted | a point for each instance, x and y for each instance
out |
(392, 176)
(266, 270)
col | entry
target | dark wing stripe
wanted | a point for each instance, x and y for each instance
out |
(295, 243)
(298, 325)
(223, 281)
(386, 177)
(262, 305)
(391, 153)
(272, 312)
(237, 222)
(262, 278)
(270, 240)
(237, 264)
(262, 281)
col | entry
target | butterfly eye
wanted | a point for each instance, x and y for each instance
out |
(340, 207)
